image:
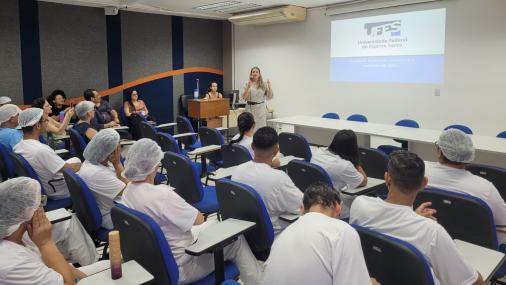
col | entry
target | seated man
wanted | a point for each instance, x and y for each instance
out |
(28, 247)
(395, 217)
(454, 151)
(101, 171)
(275, 187)
(9, 136)
(46, 163)
(176, 218)
(319, 243)
(105, 116)
(341, 160)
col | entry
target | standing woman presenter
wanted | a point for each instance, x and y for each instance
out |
(256, 91)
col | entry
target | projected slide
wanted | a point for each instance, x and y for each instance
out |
(404, 48)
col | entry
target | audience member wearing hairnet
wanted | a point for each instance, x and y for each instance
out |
(142, 159)
(30, 117)
(456, 146)
(101, 146)
(8, 111)
(5, 100)
(83, 108)
(19, 197)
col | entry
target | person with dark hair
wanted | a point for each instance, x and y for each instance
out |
(328, 250)
(246, 126)
(395, 217)
(212, 92)
(133, 105)
(342, 163)
(275, 187)
(54, 129)
(57, 101)
(105, 116)
(454, 151)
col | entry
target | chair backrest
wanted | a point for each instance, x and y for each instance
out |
(393, 261)
(83, 202)
(502, 135)
(304, 173)
(6, 166)
(167, 142)
(294, 144)
(374, 162)
(184, 104)
(22, 167)
(496, 175)
(234, 154)
(210, 136)
(463, 216)
(331, 116)
(184, 126)
(240, 201)
(142, 240)
(408, 123)
(122, 116)
(135, 126)
(147, 130)
(183, 175)
(78, 143)
(357, 118)
(463, 128)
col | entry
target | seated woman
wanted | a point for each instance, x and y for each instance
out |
(212, 92)
(133, 105)
(342, 162)
(85, 111)
(54, 128)
(29, 251)
(246, 126)
(57, 101)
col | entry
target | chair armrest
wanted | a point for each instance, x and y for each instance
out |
(50, 182)
(184, 135)
(166, 125)
(205, 149)
(289, 217)
(216, 236)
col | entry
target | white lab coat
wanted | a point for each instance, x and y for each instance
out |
(277, 190)
(447, 263)
(176, 219)
(316, 249)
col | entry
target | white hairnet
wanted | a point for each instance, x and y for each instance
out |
(456, 146)
(101, 145)
(20, 198)
(142, 159)
(30, 117)
(5, 100)
(83, 108)
(8, 111)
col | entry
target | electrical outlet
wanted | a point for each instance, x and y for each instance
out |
(437, 92)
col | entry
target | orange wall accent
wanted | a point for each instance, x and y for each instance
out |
(143, 80)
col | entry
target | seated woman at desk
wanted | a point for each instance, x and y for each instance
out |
(57, 101)
(133, 105)
(85, 111)
(212, 92)
(342, 162)
(54, 128)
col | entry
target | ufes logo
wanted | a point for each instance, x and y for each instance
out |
(392, 28)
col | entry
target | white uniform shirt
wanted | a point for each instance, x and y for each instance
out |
(46, 164)
(19, 265)
(430, 238)
(105, 186)
(275, 187)
(341, 172)
(316, 249)
(462, 181)
(245, 142)
(171, 212)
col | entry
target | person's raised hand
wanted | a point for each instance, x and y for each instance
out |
(39, 228)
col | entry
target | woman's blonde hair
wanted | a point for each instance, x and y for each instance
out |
(260, 82)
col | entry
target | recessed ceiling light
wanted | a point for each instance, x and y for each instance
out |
(218, 5)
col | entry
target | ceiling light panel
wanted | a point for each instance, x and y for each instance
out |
(219, 5)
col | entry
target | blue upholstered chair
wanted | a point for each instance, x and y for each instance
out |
(463, 128)
(373, 161)
(184, 126)
(304, 173)
(334, 116)
(6, 166)
(388, 149)
(294, 144)
(357, 118)
(78, 143)
(234, 154)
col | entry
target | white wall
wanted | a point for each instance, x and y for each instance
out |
(296, 56)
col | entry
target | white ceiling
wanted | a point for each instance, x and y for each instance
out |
(188, 7)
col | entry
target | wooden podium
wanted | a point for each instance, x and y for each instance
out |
(208, 109)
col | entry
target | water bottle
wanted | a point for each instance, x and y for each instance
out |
(196, 91)
(61, 116)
